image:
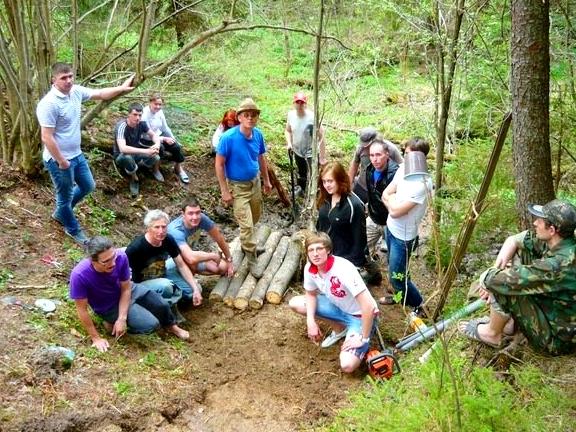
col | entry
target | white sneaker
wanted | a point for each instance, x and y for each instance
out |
(332, 338)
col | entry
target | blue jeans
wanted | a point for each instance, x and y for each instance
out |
(399, 252)
(165, 287)
(71, 186)
(174, 275)
(146, 313)
(328, 310)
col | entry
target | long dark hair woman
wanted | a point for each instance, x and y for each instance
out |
(341, 214)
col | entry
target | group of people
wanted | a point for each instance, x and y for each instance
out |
(377, 200)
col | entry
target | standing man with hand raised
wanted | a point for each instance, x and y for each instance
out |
(58, 113)
(240, 157)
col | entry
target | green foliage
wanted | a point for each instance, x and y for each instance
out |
(100, 218)
(5, 276)
(423, 397)
(123, 388)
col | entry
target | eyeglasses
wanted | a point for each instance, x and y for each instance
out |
(250, 114)
(109, 260)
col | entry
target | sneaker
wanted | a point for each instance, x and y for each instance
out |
(183, 176)
(158, 175)
(79, 237)
(134, 188)
(420, 312)
(332, 338)
(53, 216)
(383, 247)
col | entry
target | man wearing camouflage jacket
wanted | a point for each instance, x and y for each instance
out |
(538, 296)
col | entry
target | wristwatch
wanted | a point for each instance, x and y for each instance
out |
(365, 340)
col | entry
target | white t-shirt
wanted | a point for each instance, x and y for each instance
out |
(156, 122)
(301, 139)
(341, 284)
(406, 227)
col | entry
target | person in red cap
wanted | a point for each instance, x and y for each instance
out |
(298, 133)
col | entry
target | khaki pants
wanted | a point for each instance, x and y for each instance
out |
(247, 210)
(374, 232)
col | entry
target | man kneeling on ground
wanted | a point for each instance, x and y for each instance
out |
(186, 230)
(336, 293)
(102, 280)
(539, 295)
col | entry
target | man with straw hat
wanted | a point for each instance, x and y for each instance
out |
(240, 158)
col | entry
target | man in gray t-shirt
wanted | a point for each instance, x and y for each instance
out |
(58, 113)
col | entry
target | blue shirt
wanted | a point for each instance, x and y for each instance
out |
(241, 153)
(183, 235)
(62, 112)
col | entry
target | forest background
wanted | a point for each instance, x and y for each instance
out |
(447, 71)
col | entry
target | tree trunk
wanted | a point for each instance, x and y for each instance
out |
(530, 105)
(284, 274)
(257, 299)
(264, 259)
(217, 294)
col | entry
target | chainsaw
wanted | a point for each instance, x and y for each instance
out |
(382, 364)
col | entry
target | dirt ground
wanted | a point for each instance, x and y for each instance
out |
(250, 371)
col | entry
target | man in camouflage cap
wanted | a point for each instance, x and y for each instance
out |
(537, 296)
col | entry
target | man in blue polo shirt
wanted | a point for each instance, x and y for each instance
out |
(58, 113)
(239, 157)
(186, 230)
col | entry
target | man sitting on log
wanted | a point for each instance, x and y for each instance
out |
(537, 296)
(186, 230)
(148, 254)
(336, 293)
(102, 280)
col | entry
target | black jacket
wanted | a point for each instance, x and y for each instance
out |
(346, 226)
(376, 208)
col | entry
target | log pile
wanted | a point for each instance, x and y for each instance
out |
(274, 270)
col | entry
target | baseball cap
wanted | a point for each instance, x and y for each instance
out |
(247, 105)
(367, 135)
(559, 213)
(300, 97)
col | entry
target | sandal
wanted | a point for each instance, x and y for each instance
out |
(471, 332)
(486, 320)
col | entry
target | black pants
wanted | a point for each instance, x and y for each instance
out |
(303, 165)
(168, 152)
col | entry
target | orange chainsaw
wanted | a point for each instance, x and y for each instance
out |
(382, 364)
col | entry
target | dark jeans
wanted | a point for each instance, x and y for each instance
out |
(146, 313)
(303, 166)
(70, 185)
(399, 252)
(129, 163)
(168, 152)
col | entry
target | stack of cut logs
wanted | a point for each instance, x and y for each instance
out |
(274, 270)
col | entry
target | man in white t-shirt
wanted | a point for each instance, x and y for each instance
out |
(406, 200)
(336, 293)
(298, 133)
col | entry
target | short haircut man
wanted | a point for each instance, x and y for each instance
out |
(147, 255)
(59, 114)
(102, 280)
(186, 229)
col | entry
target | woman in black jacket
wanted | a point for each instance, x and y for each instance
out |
(341, 214)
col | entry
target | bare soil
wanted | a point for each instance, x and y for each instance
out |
(250, 371)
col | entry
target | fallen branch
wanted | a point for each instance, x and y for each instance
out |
(257, 299)
(284, 274)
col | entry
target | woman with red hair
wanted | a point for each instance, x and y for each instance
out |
(229, 120)
(341, 214)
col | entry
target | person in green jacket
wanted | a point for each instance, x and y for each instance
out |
(538, 296)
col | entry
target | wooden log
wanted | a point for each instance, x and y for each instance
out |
(282, 194)
(265, 258)
(218, 292)
(244, 293)
(284, 274)
(262, 234)
(257, 299)
(236, 283)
